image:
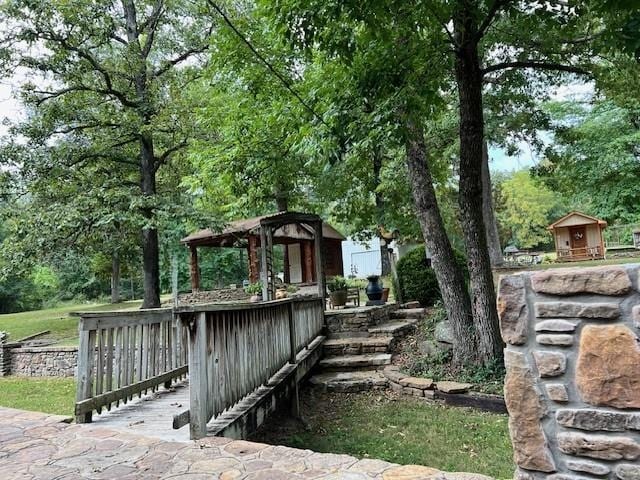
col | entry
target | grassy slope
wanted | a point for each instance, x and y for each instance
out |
(50, 395)
(63, 328)
(401, 430)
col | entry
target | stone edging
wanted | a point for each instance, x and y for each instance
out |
(452, 393)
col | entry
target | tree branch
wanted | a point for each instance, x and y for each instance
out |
(168, 152)
(151, 23)
(491, 15)
(536, 65)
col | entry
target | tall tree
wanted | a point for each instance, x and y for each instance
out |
(110, 77)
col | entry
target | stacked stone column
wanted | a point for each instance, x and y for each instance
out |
(573, 372)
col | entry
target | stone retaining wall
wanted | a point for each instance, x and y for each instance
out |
(358, 319)
(37, 362)
(573, 371)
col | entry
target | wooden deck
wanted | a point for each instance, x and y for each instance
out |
(151, 415)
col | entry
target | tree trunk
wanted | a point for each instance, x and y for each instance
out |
(469, 80)
(450, 278)
(115, 277)
(147, 159)
(488, 213)
(385, 264)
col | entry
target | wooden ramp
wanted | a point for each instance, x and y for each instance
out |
(150, 415)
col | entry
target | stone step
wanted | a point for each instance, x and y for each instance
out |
(394, 328)
(417, 313)
(349, 381)
(369, 361)
(357, 345)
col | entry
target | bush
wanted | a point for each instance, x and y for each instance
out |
(417, 280)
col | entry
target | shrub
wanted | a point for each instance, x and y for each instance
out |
(417, 280)
(337, 284)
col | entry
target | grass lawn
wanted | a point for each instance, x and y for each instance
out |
(64, 329)
(400, 430)
(50, 395)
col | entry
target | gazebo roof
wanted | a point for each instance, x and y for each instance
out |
(293, 228)
(576, 218)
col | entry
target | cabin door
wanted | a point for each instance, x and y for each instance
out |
(578, 237)
(295, 263)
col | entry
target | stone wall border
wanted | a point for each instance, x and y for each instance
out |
(52, 361)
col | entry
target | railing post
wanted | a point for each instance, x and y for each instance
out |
(86, 353)
(198, 415)
(295, 395)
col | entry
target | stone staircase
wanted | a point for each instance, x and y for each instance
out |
(352, 359)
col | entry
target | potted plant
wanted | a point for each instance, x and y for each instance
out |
(374, 288)
(255, 290)
(337, 291)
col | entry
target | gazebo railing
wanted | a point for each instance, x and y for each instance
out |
(237, 348)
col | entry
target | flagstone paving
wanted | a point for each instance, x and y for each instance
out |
(40, 446)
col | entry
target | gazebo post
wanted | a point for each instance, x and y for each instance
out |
(195, 269)
(252, 248)
(266, 248)
(319, 260)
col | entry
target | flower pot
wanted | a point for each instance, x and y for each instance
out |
(255, 298)
(385, 294)
(338, 298)
(374, 288)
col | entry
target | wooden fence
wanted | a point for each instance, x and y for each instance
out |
(234, 349)
(122, 354)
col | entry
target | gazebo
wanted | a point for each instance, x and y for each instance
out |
(578, 237)
(309, 245)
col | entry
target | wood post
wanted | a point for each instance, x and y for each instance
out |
(264, 267)
(84, 387)
(287, 267)
(198, 415)
(308, 261)
(319, 260)
(254, 274)
(195, 269)
(295, 395)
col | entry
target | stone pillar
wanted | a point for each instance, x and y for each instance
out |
(5, 355)
(573, 371)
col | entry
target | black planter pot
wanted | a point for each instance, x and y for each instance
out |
(374, 288)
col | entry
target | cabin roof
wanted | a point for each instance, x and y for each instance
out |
(240, 229)
(583, 218)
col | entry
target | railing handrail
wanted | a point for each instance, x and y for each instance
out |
(124, 353)
(236, 348)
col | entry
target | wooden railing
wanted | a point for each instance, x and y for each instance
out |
(122, 354)
(236, 348)
(583, 252)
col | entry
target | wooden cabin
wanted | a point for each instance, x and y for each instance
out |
(297, 238)
(578, 237)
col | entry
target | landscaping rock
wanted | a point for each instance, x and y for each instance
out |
(608, 367)
(555, 340)
(416, 392)
(444, 332)
(570, 281)
(415, 382)
(513, 310)
(410, 472)
(635, 314)
(577, 310)
(525, 408)
(394, 374)
(599, 447)
(410, 305)
(550, 364)
(430, 348)
(453, 387)
(557, 392)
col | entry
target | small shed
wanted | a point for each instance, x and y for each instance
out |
(578, 236)
(296, 231)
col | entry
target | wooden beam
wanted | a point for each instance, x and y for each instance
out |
(319, 258)
(195, 269)
(198, 378)
(254, 274)
(264, 267)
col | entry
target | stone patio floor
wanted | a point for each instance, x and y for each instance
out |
(40, 446)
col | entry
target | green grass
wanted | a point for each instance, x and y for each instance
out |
(403, 430)
(64, 329)
(50, 395)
